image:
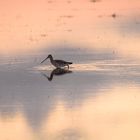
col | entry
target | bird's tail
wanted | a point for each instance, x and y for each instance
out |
(69, 63)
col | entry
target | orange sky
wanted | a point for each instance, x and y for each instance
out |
(29, 25)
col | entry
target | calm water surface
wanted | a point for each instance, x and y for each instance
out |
(97, 98)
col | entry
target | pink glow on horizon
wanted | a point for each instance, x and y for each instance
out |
(29, 25)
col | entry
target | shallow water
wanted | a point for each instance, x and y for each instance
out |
(97, 98)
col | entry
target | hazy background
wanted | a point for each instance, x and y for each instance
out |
(99, 99)
(32, 25)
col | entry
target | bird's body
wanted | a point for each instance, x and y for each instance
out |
(57, 63)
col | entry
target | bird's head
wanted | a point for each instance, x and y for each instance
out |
(49, 56)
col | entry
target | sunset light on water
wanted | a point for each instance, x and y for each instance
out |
(96, 97)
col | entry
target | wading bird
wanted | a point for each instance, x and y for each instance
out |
(57, 63)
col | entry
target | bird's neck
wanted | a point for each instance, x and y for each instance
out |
(51, 59)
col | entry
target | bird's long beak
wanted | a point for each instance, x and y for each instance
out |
(44, 60)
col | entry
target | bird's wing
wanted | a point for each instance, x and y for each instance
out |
(62, 61)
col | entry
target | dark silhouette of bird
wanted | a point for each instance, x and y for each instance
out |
(57, 63)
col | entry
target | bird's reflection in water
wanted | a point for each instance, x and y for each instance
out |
(56, 72)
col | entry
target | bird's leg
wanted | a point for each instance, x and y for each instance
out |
(68, 66)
